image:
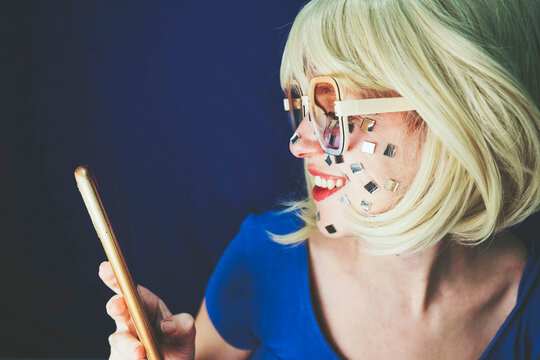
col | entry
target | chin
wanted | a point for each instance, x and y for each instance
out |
(341, 229)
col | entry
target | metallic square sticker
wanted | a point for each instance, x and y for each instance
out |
(328, 160)
(367, 125)
(338, 159)
(333, 124)
(295, 138)
(368, 147)
(391, 185)
(344, 200)
(390, 150)
(351, 127)
(331, 229)
(357, 168)
(365, 205)
(317, 216)
(331, 140)
(371, 187)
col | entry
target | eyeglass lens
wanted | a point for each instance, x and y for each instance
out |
(324, 119)
(296, 111)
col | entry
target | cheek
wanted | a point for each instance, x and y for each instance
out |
(380, 166)
(389, 157)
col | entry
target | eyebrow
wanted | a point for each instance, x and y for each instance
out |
(372, 93)
(326, 90)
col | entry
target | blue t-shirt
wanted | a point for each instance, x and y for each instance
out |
(259, 298)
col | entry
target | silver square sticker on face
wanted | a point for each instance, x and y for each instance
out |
(295, 138)
(390, 150)
(368, 147)
(344, 200)
(317, 216)
(328, 160)
(371, 187)
(365, 205)
(357, 168)
(367, 125)
(391, 185)
(332, 140)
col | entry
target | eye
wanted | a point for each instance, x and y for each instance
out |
(331, 115)
(355, 119)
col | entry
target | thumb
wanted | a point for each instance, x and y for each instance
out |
(179, 331)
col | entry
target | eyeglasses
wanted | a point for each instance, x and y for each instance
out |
(329, 114)
(295, 103)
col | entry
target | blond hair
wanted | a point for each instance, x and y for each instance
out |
(471, 69)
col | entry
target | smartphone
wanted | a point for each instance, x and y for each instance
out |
(88, 188)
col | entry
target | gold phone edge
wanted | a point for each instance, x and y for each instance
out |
(100, 220)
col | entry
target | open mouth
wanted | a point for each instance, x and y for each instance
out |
(321, 193)
(325, 184)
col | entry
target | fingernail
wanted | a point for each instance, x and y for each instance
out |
(118, 306)
(168, 327)
(186, 322)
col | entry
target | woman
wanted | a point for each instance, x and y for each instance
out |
(421, 136)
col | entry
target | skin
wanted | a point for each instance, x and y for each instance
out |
(389, 128)
(445, 303)
(177, 338)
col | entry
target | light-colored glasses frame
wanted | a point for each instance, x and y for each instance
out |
(342, 109)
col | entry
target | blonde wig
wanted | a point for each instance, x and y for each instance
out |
(471, 69)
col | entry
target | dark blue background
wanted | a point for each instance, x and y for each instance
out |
(177, 107)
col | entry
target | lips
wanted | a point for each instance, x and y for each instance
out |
(326, 184)
(320, 193)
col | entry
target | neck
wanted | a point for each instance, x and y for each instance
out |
(415, 281)
(419, 277)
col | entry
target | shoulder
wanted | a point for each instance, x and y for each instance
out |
(251, 271)
(529, 303)
(256, 231)
(253, 246)
(519, 337)
(277, 221)
(529, 293)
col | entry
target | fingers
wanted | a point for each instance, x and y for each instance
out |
(179, 331)
(125, 346)
(117, 309)
(107, 275)
(155, 307)
(177, 325)
(163, 310)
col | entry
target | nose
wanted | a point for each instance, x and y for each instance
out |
(307, 145)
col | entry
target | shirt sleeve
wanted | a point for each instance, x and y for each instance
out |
(229, 293)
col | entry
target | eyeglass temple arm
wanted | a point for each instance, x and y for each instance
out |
(371, 106)
(296, 103)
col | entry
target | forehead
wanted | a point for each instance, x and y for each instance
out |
(351, 92)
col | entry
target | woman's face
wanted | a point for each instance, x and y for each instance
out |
(342, 187)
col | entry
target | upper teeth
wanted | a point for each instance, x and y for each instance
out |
(330, 183)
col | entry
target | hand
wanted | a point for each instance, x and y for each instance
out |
(176, 334)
